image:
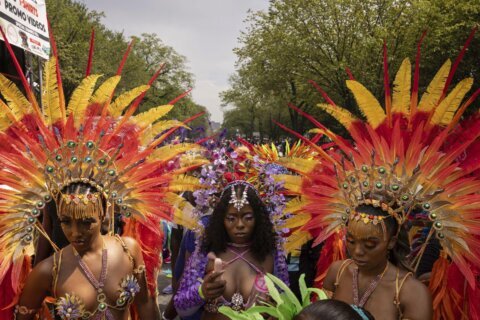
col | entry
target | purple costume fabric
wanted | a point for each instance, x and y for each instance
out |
(187, 299)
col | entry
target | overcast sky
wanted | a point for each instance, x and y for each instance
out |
(204, 31)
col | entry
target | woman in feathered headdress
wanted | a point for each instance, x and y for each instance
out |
(238, 247)
(91, 159)
(399, 178)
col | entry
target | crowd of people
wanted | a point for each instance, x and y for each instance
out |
(382, 225)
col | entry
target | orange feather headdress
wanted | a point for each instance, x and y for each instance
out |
(400, 161)
(94, 140)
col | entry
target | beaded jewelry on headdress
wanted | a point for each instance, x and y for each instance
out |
(238, 203)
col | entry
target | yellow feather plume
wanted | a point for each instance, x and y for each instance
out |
(186, 162)
(183, 211)
(182, 217)
(367, 103)
(105, 91)
(14, 97)
(401, 88)
(295, 204)
(446, 109)
(79, 101)
(151, 132)
(116, 108)
(50, 97)
(297, 220)
(342, 115)
(301, 165)
(170, 151)
(292, 183)
(296, 240)
(146, 118)
(181, 183)
(327, 132)
(6, 115)
(435, 88)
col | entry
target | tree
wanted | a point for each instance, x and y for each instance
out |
(72, 23)
(298, 40)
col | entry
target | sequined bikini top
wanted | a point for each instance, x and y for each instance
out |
(237, 302)
(71, 307)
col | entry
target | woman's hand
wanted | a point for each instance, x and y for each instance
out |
(213, 285)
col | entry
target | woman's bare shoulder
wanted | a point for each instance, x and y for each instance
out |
(332, 272)
(415, 299)
(41, 275)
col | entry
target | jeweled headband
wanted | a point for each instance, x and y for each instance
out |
(239, 203)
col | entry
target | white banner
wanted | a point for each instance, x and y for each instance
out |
(25, 25)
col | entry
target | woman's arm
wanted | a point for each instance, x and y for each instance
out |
(147, 307)
(416, 301)
(37, 287)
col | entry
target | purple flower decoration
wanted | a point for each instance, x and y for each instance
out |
(130, 287)
(70, 307)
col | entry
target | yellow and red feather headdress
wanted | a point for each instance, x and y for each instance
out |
(403, 158)
(95, 140)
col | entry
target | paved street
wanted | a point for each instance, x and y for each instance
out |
(163, 281)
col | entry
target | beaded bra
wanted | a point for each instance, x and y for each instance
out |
(71, 307)
(237, 302)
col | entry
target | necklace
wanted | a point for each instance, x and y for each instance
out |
(371, 287)
(97, 284)
(239, 245)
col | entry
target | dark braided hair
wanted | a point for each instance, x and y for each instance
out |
(263, 238)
